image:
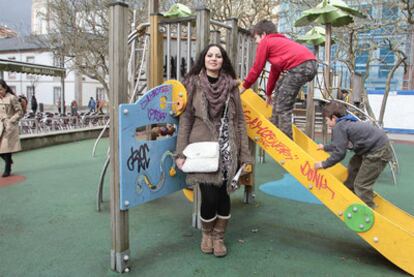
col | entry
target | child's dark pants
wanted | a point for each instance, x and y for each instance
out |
(287, 88)
(364, 170)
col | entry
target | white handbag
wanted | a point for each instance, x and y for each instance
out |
(201, 157)
(204, 157)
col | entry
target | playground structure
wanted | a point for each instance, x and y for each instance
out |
(387, 229)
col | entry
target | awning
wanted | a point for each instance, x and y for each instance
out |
(30, 68)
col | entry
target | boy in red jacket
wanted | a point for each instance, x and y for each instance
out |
(292, 66)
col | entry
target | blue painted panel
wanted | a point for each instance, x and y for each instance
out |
(145, 165)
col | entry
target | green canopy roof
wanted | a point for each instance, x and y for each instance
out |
(30, 68)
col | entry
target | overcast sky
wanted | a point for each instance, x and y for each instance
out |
(16, 14)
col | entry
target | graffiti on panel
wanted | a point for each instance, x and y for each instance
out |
(139, 158)
(266, 136)
(147, 99)
(156, 115)
(316, 177)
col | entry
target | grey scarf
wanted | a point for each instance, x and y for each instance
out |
(216, 94)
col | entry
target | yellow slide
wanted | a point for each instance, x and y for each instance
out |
(387, 228)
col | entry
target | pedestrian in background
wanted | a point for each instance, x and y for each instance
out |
(92, 105)
(74, 107)
(10, 113)
(34, 104)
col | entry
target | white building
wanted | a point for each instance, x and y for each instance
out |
(48, 90)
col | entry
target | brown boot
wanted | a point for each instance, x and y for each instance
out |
(220, 249)
(206, 239)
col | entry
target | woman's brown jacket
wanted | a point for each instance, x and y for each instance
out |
(10, 113)
(196, 126)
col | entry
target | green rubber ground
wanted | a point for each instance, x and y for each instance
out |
(49, 226)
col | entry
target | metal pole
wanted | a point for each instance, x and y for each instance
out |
(118, 80)
(188, 46)
(310, 106)
(62, 98)
(168, 51)
(178, 44)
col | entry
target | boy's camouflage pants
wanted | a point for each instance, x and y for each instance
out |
(287, 88)
(364, 170)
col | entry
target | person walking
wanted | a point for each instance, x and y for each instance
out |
(10, 114)
(74, 107)
(211, 83)
(33, 104)
(92, 105)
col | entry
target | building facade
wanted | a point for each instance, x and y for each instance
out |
(48, 90)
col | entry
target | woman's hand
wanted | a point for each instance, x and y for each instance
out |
(180, 162)
(320, 146)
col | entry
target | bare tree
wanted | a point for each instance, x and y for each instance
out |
(78, 29)
(401, 59)
(78, 36)
(407, 6)
(247, 12)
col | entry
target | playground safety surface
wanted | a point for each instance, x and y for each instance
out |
(49, 226)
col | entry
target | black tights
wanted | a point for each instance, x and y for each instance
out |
(7, 157)
(214, 201)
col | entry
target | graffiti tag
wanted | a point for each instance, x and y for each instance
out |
(318, 179)
(152, 94)
(139, 158)
(266, 136)
(156, 115)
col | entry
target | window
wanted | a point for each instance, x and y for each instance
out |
(366, 9)
(12, 75)
(30, 90)
(388, 59)
(390, 13)
(57, 61)
(100, 94)
(13, 88)
(361, 62)
(30, 59)
(56, 94)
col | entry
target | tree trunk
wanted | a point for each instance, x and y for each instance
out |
(387, 90)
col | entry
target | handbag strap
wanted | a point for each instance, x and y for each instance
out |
(226, 107)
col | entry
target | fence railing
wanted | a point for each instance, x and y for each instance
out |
(46, 124)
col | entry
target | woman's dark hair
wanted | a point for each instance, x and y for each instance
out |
(6, 87)
(263, 26)
(334, 109)
(227, 67)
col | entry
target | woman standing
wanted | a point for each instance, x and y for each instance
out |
(210, 83)
(10, 113)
